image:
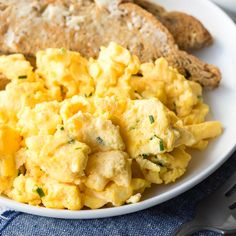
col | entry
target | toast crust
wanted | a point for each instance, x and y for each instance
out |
(190, 66)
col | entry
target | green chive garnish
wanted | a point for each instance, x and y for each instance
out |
(144, 155)
(161, 145)
(71, 141)
(89, 95)
(151, 119)
(22, 77)
(160, 164)
(78, 148)
(162, 148)
(63, 50)
(62, 128)
(132, 127)
(40, 192)
(154, 136)
(100, 140)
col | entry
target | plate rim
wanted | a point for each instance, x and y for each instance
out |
(127, 209)
(118, 211)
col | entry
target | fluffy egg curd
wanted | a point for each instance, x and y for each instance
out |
(80, 133)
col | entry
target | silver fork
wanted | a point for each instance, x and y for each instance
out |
(216, 212)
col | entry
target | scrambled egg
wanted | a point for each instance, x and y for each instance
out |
(80, 133)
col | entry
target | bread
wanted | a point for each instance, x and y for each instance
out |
(83, 26)
(189, 33)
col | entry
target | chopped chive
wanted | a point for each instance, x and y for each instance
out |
(22, 77)
(144, 155)
(160, 164)
(89, 95)
(161, 145)
(100, 140)
(40, 192)
(63, 50)
(162, 148)
(62, 128)
(151, 119)
(132, 127)
(199, 96)
(154, 136)
(78, 148)
(71, 141)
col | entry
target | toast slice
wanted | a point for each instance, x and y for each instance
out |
(84, 26)
(189, 33)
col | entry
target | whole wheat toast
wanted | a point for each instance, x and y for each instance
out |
(189, 33)
(27, 26)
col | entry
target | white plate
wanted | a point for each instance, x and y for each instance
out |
(229, 6)
(221, 100)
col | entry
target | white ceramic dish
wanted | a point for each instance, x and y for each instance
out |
(221, 100)
(229, 6)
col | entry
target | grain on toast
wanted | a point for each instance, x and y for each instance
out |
(27, 26)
